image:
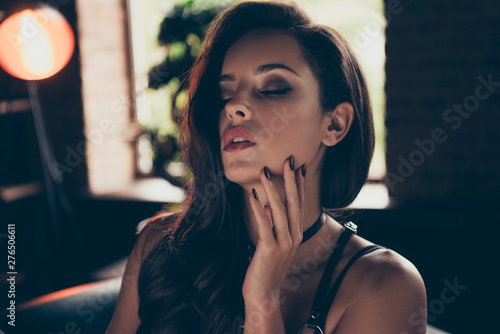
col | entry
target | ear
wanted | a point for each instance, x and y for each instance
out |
(337, 123)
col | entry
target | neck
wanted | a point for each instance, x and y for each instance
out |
(316, 246)
(312, 207)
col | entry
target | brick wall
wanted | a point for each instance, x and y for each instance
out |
(106, 91)
(443, 99)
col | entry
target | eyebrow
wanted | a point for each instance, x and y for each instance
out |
(260, 70)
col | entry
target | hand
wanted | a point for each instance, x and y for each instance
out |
(274, 251)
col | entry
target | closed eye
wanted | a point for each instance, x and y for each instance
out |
(277, 92)
(272, 93)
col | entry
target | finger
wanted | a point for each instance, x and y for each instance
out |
(293, 208)
(267, 210)
(264, 227)
(278, 211)
(301, 188)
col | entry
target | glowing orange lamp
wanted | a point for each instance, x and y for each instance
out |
(35, 43)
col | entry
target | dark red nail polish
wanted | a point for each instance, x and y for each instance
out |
(255, 194)
(266, 172)
(303, 170)
(291, 162)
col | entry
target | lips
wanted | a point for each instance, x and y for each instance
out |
(237, 132)
(234, 147)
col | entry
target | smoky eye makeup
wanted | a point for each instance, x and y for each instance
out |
(275, 86)
(225, 95)
(278, 80)
(276, 92)
(268, 92)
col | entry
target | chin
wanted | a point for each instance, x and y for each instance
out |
(241, 172)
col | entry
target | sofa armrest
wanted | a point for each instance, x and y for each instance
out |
(85, 308)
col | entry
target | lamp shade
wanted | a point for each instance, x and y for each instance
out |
(35, 43)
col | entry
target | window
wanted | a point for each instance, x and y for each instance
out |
(361, 22)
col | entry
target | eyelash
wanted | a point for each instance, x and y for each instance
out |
(277, 92)
(274, 93)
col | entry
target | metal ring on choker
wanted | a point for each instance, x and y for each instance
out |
(306, 325)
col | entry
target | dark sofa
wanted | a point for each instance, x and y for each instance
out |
(82, 309)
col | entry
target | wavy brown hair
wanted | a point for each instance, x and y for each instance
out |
(190, 282)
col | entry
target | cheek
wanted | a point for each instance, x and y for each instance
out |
(286, 127)
(296, 131)
(279, 126)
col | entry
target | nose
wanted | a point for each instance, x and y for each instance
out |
(237, 108)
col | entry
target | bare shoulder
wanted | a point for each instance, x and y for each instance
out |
(386, 294)
(384, 268)
(150, 233)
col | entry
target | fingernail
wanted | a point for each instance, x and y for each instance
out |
(266, 172)
(255, 194)
(291, 162)
(303, 170)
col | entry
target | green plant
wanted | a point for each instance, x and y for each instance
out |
(181, 34)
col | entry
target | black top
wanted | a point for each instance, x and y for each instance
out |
(319, 310)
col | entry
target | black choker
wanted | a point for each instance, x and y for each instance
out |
(306, 235)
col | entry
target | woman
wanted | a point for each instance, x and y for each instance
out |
(256, 246)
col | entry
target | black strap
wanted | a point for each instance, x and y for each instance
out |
(306, 235)
(333, 292)
(314, 315)
(317, 316)
(314, 228)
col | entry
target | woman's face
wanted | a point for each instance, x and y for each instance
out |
(271, 93)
